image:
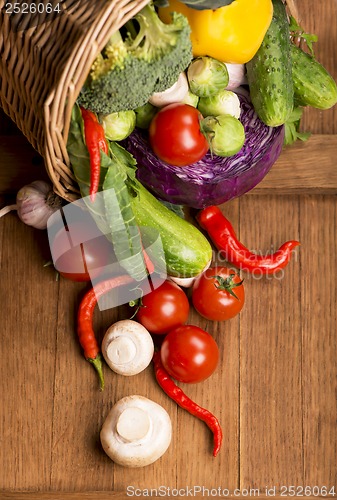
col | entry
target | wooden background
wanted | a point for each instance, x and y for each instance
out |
(275, 391)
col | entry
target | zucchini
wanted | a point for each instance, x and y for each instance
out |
(313, 85)
(125, 204)
(187, 251)
(269, 73)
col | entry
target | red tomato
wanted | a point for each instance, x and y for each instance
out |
(82, 261)
(164, 309)
(218, 293)
(189, 354)
(175, 135)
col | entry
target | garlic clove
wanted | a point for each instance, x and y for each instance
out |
(237, 75)
(176, 93)
(127, 347)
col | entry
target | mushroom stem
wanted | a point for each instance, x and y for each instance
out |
(133, 424)
(136, 432)
(127, 347)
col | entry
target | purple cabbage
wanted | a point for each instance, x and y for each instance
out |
(213, 179)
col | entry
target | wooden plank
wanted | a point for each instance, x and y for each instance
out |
(3, 203)
(84, 462)
(321, 21)
(28, 298)
(219, 394)
(19, 163)
(270, 351)
(319, 352)
(308, 167)
(100, 495)
(303, 168)
(280, 431)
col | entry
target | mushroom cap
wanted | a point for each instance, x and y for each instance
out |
(136, 432)
(127, 347)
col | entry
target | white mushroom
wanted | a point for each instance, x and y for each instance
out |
(176, 93)
(127, 347)
(136, 432)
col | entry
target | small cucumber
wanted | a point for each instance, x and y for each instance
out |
(187, 251)
(269, 73)
(313, 85)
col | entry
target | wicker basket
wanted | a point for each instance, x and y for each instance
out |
(43, 68)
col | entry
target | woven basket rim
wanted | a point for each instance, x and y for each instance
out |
(65, 94)
(52, 130)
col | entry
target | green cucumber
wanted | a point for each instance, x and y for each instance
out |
(187, 251)
(269, 73)
(313, 85)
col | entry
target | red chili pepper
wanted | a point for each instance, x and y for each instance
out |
(95, 141)
(85, 329)
(224, 238)
(175, 393)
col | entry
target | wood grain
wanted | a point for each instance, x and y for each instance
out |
(28, 297)
(303, 168)
(270, 351)
(319, 349)
(275, 391)
(99, 495)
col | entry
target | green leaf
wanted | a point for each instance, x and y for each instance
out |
(123, 228)
(297, 32)
(111, 209)
(292, 126)
(177, 209)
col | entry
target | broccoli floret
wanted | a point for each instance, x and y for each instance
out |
(148, 59)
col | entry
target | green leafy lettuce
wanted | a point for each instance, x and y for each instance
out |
(111, 208)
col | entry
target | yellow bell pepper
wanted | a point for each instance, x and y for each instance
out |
(231, 34)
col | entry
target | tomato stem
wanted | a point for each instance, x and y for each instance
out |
(227, 284)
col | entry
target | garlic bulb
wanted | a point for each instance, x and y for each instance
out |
(136, 432)
(237, 75)
(176, 93)
(127, 347)
(35, 203)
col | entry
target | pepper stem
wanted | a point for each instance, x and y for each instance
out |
(97, 363)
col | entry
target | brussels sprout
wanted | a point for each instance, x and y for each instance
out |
(207, 76)
(226, 134)
(191, 99)
(144, 115)
(118, 126)
(223, 103)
